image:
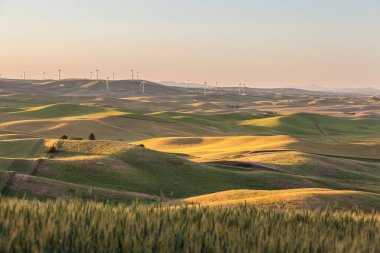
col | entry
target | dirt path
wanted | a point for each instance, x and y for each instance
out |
(41, 166)
(246, 165)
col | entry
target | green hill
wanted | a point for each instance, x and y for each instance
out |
(119, 166)
(60, 110)
(307, 124)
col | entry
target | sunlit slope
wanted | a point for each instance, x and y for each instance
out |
(231, 147)
(65, 110)
(227, 147)
(307, 124)
(310, 198)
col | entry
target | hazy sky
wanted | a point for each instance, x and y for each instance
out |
(263, 43)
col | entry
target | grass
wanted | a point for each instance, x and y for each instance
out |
(82, 226)
(313, 147)
(22, 148)
(123, 167)
(307, 124)
(50, 120)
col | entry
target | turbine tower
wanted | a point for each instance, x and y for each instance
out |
(97, 74)
(113, 76)
(243, 89)
(239, 89)
(24, 74)
(90, 75)
(188, 84)
(216, 86)
(59, 74)
(43, 75)
(204, 89)
(143, 86)
(132, 73)
(107, 83)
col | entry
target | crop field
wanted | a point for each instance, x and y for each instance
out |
(174, 170)
(81, 226)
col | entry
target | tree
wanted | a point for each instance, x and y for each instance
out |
(91, 137)
(64, 137)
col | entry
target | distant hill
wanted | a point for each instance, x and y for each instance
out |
(362, 91)
(85, 87)
(184, 84)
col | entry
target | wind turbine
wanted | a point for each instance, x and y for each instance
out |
(132, 73)
(239, 89)
(24, 74)
(188, 83)
(243, 90)
(59, 74)
(143, 86)
(97, 74)
(43, 75)
(216, 86)
(204, 89)
(90, 75)
(113, 76)
(107, 82)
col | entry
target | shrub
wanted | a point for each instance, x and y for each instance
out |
(142, 145)
(52, 149)
(76, 139)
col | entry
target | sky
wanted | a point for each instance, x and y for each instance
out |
(266, 43)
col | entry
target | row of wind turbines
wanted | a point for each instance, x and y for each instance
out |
(23, 75)
(241, 88)
(113, 75)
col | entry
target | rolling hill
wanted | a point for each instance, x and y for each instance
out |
(299, 198)
(85, 87)
(191, 139)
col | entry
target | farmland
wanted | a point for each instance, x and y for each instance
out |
(174, 166)
(72, 225)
